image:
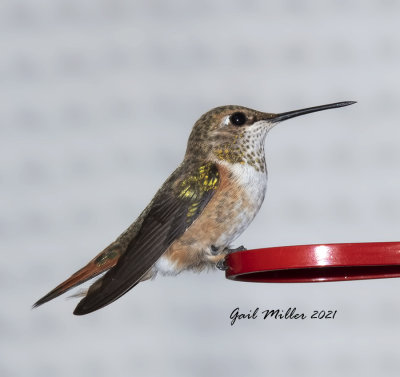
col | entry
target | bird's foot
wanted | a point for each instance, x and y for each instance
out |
(221, 265)
(221, 262)
(240, 248)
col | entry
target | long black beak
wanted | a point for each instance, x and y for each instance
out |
(295, 113)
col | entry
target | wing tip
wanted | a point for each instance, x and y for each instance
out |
(81, 309)
(93, 300)
(87, 305)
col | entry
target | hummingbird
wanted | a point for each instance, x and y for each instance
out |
(204, 205)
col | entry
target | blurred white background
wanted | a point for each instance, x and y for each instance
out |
(97, 101)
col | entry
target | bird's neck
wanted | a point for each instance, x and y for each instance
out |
(252, 155)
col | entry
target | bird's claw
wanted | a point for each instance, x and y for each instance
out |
(221, 265)
(240, 248)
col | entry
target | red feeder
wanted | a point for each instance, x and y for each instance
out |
(316, 263)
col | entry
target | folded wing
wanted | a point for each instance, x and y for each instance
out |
(174, 208)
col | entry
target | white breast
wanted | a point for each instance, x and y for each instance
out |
(255, 182)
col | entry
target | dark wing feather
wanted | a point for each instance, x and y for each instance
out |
(174, 208)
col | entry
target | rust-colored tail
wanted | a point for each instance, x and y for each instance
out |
(107, 259)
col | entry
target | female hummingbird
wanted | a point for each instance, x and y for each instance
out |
(205, 204)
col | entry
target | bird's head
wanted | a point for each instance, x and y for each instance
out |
(236, 134)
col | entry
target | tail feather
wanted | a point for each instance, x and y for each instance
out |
(101, 263)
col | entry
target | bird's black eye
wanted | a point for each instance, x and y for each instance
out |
(238, 119)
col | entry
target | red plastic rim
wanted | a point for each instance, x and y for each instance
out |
(316, 263)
